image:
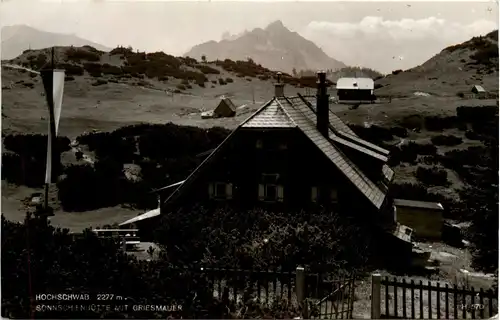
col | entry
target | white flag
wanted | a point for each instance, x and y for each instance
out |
(58, 82)
(53, 81)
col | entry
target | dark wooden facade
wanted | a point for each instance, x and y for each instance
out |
(282, 157)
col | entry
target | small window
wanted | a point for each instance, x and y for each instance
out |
(270, 192)
(314, 194)
(220, 190)
(259, 144)
(334, 196)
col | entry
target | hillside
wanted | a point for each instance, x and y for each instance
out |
(16, 39)
(106, 90)
(453, 70)
(274, 47)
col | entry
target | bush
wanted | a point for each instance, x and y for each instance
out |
(87, 188)
(432, 176)
(239, 244)
(374, 133)
(26, 163)
(410, 152)
(479, 115)
(472, 135)
(399, 132)
(69, 78)
(33, 145)
(436, 123)
(446, 140)
(460, 95)
(395, 72)
(181, 87)
(412, 122)
(414, 191)
(99, 82)
(38, 63)
(485, 53)
(121, 50)
(71, 69)
(229, 80)
(164, 151)
(222, 82)
(429, 160)
(243, 68)
(206, 69)
(112, 70)
(94, 69)
(159, 64)
(78, 54)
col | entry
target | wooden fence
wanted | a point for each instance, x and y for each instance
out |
(400, 299)
(318, 296)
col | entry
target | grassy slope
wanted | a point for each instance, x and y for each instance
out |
(452, 70)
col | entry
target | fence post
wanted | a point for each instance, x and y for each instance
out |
(375, 314)
(300, 290)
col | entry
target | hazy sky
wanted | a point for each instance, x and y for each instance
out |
(381, 35)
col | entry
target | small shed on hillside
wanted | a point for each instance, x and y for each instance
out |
(360, 89)
(425, 218)
(479, 91)
(226, 108)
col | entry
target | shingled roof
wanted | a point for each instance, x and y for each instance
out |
(298, 112)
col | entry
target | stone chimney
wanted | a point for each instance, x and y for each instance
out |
(322, 105)
(279, 88)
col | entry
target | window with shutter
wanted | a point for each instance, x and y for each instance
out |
(261, 192)
(280, 193)
(220, 190)
(314, 194)
(229, 191)
(211, 193)
(270, 192)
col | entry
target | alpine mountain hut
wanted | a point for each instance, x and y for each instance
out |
(355, 89)
(226, 108)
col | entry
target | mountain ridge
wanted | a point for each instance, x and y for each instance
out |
(275, 47)
(18, 38)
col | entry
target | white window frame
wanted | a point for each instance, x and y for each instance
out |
(213, 187)
(263, 190)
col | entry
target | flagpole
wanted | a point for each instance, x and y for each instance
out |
(52, 143)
